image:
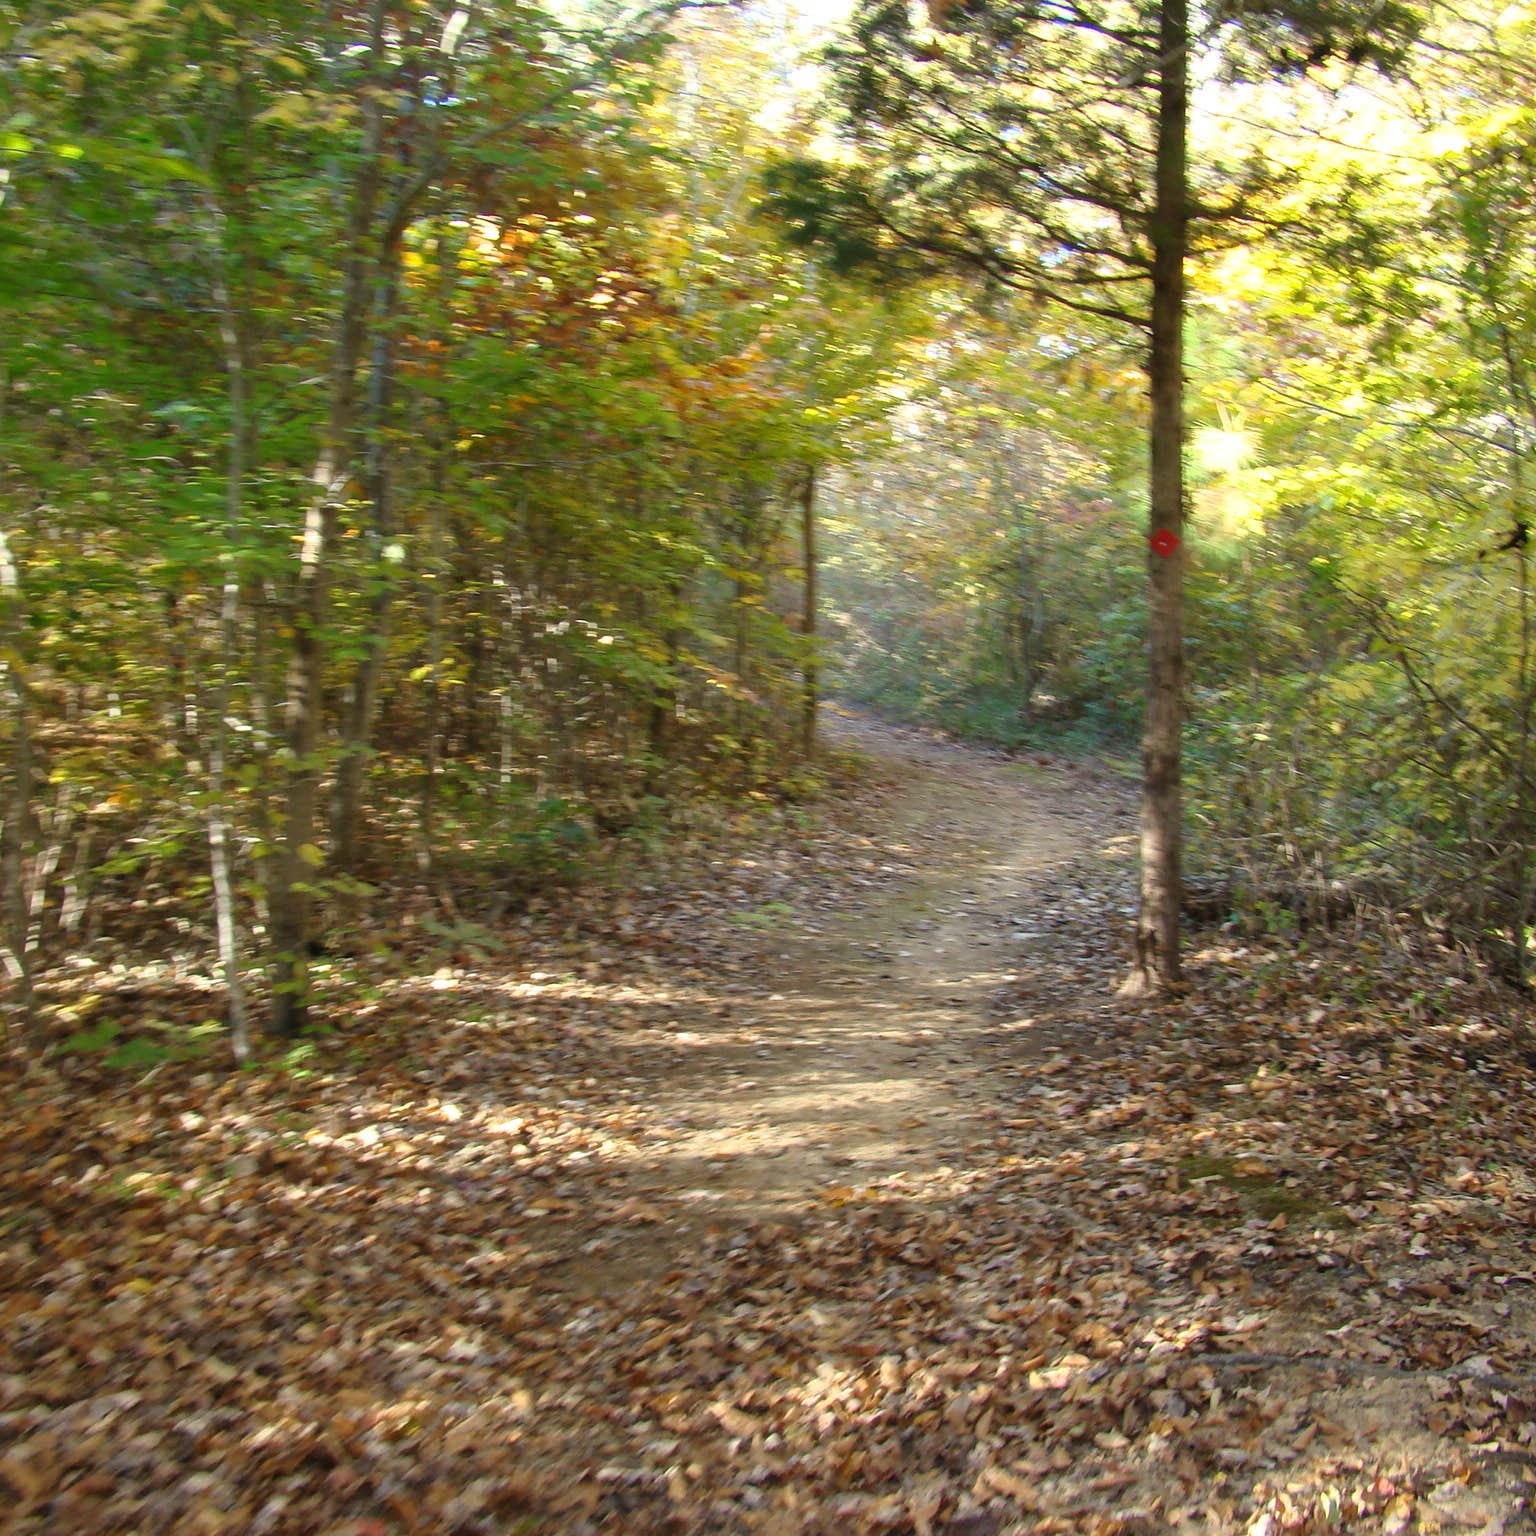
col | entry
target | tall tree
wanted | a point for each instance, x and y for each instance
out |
(1045, 147)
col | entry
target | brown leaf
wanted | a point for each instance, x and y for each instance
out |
(22, 1471)
(735, 1421)
(1013, 1485)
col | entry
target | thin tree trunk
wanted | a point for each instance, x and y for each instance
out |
(60, 819)
(739, 652)
(233, 336)
(263, 807)
(77, 888)
(662, 719)
(181, 722)
(1524, 914)
(506, 708)
(744, 558)
(357, 731)
(1526, 879)
(513, 655)
(1156, 961)
(437, 576)
(1021, 514)
(16, 830)
(18, 809)
(810, 677)
(293, 866)
(437, 565)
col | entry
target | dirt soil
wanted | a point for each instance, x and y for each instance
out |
(851, 1053)
(808, 1180)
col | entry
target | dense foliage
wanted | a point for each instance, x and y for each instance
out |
(403, 418)
(1358, 459)
(413, 444)
(451, 455)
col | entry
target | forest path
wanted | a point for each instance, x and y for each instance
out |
(854, 1051)
(807, 1180)
(929, 1235)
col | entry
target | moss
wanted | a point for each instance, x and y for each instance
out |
(1262, 1194)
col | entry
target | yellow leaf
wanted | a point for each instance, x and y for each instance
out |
(292, 108)
(311, 855)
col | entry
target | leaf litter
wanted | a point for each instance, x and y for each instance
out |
(874, 1213)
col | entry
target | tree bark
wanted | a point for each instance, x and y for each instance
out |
(357, 729)
(292, 868)
(810, 678)
(437, 572)
(233, 335)
(16, 831)
(661, 720)
(439, 567)
(1156, 962)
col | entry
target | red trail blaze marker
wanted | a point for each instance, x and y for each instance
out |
(1164, 542)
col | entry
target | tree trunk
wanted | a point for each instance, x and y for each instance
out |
(180, 709)
(16, 826)
(810, 678)
(1525, 908)
(745, 585)
(218, 825)
(293, 866)
(438, 564)
(1022, 514)
(233, 335)
(1156, 961)
(16, 831)
(661, 721)
(739, 595)
(437, 573)
(357, 729)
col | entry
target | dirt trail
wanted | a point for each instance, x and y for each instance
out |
(854, 1059)
(818, 1186)
(938, 1238)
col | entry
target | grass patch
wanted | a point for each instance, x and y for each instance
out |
(772, 914)
(154, 1043)
(1263, 1194)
